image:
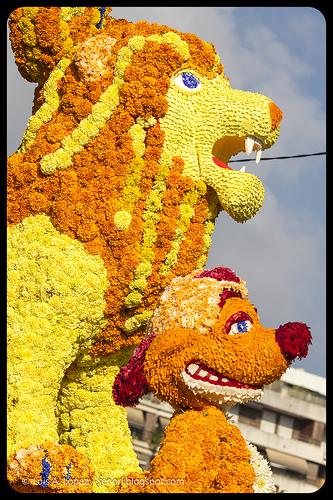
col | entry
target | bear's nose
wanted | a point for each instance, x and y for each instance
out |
(276, 115)
(294, 339)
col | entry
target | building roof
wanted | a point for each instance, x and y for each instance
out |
(301, 378)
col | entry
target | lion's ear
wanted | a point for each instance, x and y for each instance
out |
(41, 36)
(92, 57)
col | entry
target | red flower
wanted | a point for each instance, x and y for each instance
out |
(294, 339)
(131, 384)
(226, 294)
(220, 274)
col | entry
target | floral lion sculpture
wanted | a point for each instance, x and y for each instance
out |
(113, 192)
(206, 351)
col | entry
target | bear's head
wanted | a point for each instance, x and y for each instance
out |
(206, 345)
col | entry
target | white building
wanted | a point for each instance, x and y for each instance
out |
(288, 426)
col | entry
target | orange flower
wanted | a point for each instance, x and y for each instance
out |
(201, 452)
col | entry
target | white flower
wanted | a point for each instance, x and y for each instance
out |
(263, 482)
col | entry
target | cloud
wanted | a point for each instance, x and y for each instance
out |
(264, 62)
(268, 48)
(276, 251)
(304, 29)
(203, 21)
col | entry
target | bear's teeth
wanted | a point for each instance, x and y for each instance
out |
(258, 156)
(192, 368)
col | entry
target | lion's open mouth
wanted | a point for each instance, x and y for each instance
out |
(200, 372)
(240, 193)
(229, 146)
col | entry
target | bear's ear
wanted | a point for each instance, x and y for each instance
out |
(131, 384)
(41, 36)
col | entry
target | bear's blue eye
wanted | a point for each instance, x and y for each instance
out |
(187, 81)
(241, 327)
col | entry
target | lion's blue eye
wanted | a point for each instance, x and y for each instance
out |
(241, 327)
(187, 81)
(190, 80)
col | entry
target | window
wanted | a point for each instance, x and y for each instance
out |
(250, 416)
(308, 431)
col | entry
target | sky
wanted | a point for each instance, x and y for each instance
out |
(281, 253)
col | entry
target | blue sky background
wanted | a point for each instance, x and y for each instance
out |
(280, 52)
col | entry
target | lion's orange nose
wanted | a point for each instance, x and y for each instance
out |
(276, 115)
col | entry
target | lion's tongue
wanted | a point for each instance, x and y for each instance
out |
(220, 163)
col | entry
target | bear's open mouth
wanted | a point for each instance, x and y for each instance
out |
(203, 373)
(229, 146)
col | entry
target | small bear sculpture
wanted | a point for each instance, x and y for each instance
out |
(206, 351)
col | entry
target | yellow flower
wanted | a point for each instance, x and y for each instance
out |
(138, 284)
(144, 268)
(186, 211)
(133, 299)
(137, 321)
(136, 42)
(179, 44)
(125, 55)
(122, 220)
